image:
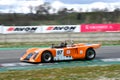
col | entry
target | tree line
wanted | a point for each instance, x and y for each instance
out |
(63, 17)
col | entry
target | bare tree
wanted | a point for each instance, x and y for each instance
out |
(63, 11)
(31, 9)
(95, 9)
(43, 9)
(117, 10)
(100, 10)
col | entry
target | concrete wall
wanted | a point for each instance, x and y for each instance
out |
(45, 37)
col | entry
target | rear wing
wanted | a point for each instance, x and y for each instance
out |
(95, 46)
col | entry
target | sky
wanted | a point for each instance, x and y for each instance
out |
(22, 6)
(83, 1)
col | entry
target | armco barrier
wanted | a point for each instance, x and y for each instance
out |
(45, 37)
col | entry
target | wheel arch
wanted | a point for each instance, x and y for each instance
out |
(46, 51)
(90, 48)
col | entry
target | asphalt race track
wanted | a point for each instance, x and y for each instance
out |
(12, 55)
(105, 53)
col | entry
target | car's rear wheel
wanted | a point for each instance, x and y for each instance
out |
(47, 57)
(90, 54)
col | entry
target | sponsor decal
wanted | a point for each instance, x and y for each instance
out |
(68, 52)
(10, 29)
(26, 29)
(50, 28)
(65, 28)
(81, 51)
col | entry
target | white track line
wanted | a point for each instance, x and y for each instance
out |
(111, 60)
(29, 64)
(16, 64)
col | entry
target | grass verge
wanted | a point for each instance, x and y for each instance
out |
(74, 73)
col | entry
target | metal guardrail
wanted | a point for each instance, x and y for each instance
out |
(45, 37)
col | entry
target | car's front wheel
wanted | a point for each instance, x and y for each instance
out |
(46, 57)
(90, 54)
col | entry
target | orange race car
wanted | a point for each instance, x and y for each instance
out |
(57, 53)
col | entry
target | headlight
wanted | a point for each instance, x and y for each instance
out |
(35, 54)
(29, 56)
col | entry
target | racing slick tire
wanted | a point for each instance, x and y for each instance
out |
(47, 57)
(90, 54)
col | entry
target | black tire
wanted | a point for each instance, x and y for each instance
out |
(90, 54)
(47, 57)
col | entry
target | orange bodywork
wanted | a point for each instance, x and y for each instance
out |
(76, 51)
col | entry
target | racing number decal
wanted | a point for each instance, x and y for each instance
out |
(59, 52)
(60, 55)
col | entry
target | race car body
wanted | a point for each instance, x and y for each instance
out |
(75, 51)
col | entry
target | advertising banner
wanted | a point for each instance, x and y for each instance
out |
(100, 28)
(1, 29)
(61, 28)
(22, 29)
